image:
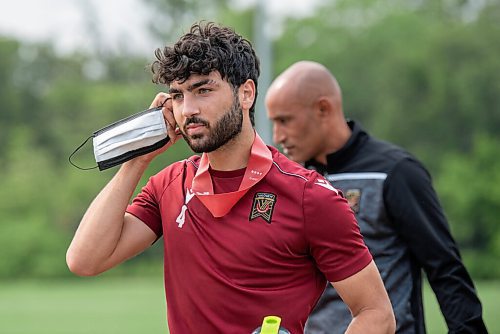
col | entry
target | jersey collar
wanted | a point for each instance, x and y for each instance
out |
(259, 164)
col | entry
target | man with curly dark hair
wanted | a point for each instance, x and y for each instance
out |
(206, 49)
(247, 232)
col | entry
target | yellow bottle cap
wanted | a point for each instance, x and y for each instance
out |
(270, 325)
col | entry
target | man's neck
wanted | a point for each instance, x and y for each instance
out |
(335, 142)
(235, 153)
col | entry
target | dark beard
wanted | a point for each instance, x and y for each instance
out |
(225, 129)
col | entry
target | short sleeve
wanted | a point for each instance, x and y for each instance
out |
(145, 207)
(332, 231)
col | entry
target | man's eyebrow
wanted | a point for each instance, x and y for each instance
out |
(173, 91)
(195, 85)
(201, 83)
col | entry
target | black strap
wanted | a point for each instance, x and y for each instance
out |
(78, 148)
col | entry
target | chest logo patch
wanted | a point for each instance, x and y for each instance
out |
(263, 206)
(353, 196)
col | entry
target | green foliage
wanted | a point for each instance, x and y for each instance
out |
(49, 106)
(31, 243)
(471, 196)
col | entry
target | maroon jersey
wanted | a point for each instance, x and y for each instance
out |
(272, 254)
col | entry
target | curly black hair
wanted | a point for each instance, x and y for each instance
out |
(205, 48)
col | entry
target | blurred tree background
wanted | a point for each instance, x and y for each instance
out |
(423, 74)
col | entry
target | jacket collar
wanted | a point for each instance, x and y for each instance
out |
(336, 160)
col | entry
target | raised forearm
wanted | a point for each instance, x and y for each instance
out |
(101, 227)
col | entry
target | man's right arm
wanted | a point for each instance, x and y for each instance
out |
(107, 235)
(365, 296)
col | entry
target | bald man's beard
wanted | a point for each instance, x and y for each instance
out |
(225, 129)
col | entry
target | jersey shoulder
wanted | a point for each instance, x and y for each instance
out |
(293, 172)
(173, 171)
(290, 169)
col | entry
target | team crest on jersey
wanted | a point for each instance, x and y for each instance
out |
(263, 206)
(353, 197)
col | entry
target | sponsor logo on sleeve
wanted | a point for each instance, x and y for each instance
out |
(325, 184)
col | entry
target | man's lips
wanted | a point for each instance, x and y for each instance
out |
(194, 127)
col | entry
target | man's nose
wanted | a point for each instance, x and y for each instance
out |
(189, 106)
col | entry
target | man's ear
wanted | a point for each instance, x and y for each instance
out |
(246, 94)
(324, 107)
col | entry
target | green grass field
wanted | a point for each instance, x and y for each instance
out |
(133, 305)
(83, 306)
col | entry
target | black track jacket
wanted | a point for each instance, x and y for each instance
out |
(404, 227)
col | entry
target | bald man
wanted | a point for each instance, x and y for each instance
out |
(390, 192)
